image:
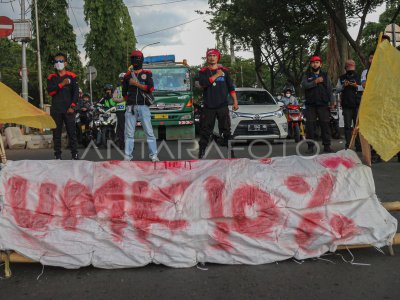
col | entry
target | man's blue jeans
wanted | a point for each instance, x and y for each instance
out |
(134, 114)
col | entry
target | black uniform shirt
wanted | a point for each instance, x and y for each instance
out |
(215, 93)
(63, 97)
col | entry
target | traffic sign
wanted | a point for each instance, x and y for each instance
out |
(393, 31)
(6, 26)
(91, 73)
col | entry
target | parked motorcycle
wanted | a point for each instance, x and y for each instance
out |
(84, 128)
(106, 125)
(295, 122)
(334, 122)
(197, 108)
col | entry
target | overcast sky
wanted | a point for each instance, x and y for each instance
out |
(188, 41)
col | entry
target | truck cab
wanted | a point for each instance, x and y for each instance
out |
(172, 113)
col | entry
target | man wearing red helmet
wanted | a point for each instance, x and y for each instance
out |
(137, 86)
(319, 97)
(216, 84)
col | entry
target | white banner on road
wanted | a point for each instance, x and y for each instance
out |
(118, 214)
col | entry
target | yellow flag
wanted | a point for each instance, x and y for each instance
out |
(14, 109)
(379, 116)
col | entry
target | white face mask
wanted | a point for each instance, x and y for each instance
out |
(59, 66)
(288, 95)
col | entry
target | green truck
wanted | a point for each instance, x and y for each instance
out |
(172, 113)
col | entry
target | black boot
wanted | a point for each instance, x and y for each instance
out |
(202, 152)
(231, 154)
(327, 149)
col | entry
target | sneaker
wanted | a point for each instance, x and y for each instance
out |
(327, 149)
(57, 157)
(155, 158)
(75, 156)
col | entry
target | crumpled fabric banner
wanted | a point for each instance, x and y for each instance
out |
(118, 214)
(379, 115)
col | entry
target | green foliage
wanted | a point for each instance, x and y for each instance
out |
(110, 41)
(372, 30)
(56, 35)
(10, 63)
(285, 32)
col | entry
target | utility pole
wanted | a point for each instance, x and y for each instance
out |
(24, 70)
(23, 67)
(241, 74)
(38, 57)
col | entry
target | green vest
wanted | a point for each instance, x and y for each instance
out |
(121, 106)
(108, 103)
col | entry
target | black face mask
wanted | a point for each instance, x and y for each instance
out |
(137, 62)
(316, 69)
(350, 72)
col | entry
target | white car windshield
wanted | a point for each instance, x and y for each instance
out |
(171, 79)
(253, 98)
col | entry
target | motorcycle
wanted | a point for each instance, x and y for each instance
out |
(197, 108)
(334, 122)
(84, 128)
(106, 125)
(295, 122)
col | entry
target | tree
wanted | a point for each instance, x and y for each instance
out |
(372, 29)
(340, 12)
(282, 34)
(56, 35)
(10, 63)
(110, 40)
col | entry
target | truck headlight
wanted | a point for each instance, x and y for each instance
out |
(186, 117)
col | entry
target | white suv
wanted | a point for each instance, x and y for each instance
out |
(258, 117)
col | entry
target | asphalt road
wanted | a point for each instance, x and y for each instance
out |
(312, 279)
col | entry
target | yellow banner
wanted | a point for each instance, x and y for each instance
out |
(14, 109)
(379, 116)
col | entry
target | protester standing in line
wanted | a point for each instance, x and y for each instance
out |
(63, 87)
(216, 84)
(137, 87)
(319, 98)
(349, 86)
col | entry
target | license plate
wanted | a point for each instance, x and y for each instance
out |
(257, 127)
(160, 116)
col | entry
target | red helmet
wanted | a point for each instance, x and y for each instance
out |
(315, 58)
(136, 53)
(214, 52)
